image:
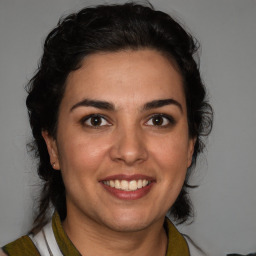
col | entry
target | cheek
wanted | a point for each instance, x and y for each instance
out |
(171, 159)
(173, 153)
(81, 155)
(80, 162)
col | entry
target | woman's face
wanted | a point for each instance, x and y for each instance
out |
(122, 143)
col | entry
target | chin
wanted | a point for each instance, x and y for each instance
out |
(129, 222)
(129, 226)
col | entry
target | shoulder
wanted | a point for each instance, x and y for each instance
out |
(20, 247)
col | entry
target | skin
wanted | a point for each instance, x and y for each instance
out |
(128, 141)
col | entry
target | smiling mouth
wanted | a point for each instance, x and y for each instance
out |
(125, 185)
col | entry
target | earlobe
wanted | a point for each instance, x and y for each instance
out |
(52, 150)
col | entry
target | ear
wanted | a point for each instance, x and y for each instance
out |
(52, 150)
(191, 146)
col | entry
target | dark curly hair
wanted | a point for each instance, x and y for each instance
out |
(110, 28)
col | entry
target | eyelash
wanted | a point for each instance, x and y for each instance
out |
(164, 118)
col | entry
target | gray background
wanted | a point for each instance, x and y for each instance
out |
(225, 202)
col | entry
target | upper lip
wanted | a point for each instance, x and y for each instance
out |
(128, 177)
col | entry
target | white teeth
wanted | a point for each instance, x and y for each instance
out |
(124, 185)
(133, 185)
(139, 183)
(117, 184)
(127, 185)
(112, 184)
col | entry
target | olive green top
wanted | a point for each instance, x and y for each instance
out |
(24, 246)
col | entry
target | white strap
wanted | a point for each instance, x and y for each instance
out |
(45, 242)
(194, 251)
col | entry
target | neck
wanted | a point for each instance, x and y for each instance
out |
(92, 238)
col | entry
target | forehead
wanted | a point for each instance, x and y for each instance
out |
(125, 77)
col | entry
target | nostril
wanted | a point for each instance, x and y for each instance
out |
(129, 150)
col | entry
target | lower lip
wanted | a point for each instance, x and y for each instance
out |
(129, 195)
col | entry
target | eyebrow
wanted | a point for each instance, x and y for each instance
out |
(94, 103)
(161, 103)
(109, 106)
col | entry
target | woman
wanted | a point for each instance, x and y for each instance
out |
(118, 111)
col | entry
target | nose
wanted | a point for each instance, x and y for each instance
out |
(129, 146)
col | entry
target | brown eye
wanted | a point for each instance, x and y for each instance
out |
(160, 120)
(157, 120)
(95, 121)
